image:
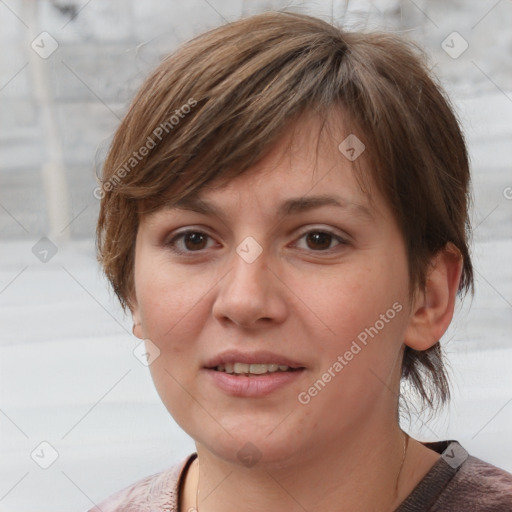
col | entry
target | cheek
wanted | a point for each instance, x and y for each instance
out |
(354, 298)
(365, 310)
(167, 301)
(169, 305)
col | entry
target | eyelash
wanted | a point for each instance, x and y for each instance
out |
(172, 242)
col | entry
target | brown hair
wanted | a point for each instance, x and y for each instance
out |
(214, 108)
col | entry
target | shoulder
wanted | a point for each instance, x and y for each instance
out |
(155, 492)
(479, 485)
(459, 482)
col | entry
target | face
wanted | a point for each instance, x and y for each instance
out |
(292, 274)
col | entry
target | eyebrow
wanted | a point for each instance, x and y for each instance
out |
(291, 206)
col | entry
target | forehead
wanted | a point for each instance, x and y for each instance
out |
(306, 168)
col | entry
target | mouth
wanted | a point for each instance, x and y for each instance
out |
(254, 369)
(252, 374)
(236, 362)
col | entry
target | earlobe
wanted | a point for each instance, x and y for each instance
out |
(433, 307)
(136, 328)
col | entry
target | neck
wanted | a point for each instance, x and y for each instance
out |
(364, 474)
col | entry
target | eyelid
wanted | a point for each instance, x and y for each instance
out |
(323, 229)
(342, 239)
(170, 241)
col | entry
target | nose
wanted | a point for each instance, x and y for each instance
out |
(250, 295)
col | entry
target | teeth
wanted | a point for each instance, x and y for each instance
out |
(240, 368)
(255, 369)
(258, 369)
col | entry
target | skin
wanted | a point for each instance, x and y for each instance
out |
(301, 298)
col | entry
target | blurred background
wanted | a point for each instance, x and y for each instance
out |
(79, 417)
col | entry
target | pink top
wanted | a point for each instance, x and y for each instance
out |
(457, 482)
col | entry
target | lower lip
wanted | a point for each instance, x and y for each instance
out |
(254, 386)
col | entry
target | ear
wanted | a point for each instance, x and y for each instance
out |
(134, 309)
(433, 307)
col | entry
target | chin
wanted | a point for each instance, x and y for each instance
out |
(252, 449)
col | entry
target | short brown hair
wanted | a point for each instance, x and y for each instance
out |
(243, 82)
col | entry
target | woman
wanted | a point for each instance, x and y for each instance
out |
(284, 213)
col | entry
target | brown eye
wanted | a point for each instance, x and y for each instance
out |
(195, 240)
(321, 241)
(189, 241)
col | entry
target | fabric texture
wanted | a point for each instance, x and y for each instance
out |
(457, 482)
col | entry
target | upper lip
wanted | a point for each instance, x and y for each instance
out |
(260, 356)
